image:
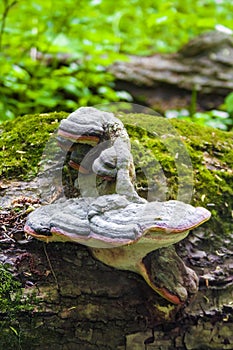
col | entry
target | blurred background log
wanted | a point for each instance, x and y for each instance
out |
(202, 71)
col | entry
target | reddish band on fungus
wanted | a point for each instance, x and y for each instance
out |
(79, 167)
(169, 296)
(89, 139)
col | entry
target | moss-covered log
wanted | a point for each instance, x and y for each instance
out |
(71, 301)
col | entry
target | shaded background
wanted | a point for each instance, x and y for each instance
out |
(55, 54)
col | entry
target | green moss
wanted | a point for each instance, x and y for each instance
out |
(22, 143)
(10, 291)
(13, 302)
(11, 294)
(211, 152)
(211, 155)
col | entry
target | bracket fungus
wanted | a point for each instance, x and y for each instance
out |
(121, 229)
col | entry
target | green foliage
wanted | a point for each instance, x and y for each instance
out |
(53, 55)
(220, 119)
(214, 118)
(33, 78)
(229, 104)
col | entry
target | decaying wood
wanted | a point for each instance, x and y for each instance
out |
(87, 305)
(83, 304)
(204, 65)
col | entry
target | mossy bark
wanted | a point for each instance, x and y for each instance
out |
(79, 303)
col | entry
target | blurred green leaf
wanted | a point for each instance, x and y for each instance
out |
(54, 54)
(229, 103)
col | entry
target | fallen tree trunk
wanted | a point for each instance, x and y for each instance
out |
(72, 301)
(200, 73)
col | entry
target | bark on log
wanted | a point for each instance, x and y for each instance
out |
(204, 66)
(82, 304)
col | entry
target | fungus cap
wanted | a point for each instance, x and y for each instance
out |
(112, 220)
